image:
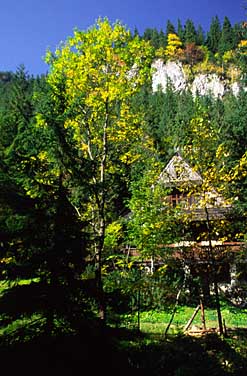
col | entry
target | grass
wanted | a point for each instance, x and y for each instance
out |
(156, 322)
(181, 354)
(24, 321)
(129, 352)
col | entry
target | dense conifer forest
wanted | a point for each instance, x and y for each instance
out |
(81, 152)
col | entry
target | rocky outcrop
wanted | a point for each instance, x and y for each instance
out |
(172, 73)
(235, 88)
(208, 84)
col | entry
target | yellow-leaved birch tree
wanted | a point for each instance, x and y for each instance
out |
(93, 77)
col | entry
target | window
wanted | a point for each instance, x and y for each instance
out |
(182, 199)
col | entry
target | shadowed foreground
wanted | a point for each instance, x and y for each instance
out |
(124, 353)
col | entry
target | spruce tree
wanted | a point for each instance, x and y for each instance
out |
(226, 39)
(214, 35)
(200, 36)
(42, 238)
(16, 108)
(170, 28)
(153, 36)
(190, 35)
(162, 39)
(236, 34)
(180, 30)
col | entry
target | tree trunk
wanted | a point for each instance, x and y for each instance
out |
(215, 282)
(102, 220)
(101, 295)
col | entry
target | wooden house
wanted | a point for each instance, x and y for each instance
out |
(205, 249)
(208, 250)
(185, 186)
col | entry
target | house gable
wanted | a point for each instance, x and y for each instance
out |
(185, 186)
(177, 172)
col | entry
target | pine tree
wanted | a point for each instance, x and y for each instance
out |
(170, 28)
(153, 36)
(136, 32)
(214, 35)
(180, 30)
(200, 36)
(17, 108)
(162, 39)
(41, 234)
(190, 35)
(236, 34)
(147, 35)
(226, 42)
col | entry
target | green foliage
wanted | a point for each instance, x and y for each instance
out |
(80, 155)
(156, 38)
(190, 35)
(218, 40)
(170, 29)
(214, 35)
(200, 36)
(153, 223)
(226, 42)
(168, 115)
(41, 237)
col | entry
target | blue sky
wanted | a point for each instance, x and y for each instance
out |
(29, 27)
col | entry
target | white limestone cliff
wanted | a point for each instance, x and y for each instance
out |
(208, 84)
(172, 73)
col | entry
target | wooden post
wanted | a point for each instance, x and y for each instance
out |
(203, 315)
(173, 313)
(224, 325)
(138, 310)
(215, 281)
(192, 318)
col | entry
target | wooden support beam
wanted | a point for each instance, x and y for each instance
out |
(203, 315)
(192, 318)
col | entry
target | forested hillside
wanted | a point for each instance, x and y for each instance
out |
(219, 39)
(81, 151)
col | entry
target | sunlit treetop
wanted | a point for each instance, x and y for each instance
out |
(97, 72)
(105, 57)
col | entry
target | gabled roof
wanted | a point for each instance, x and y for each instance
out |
(178, 171)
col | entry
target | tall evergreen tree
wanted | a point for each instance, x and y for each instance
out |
(180, 30)
(214, 35)
(236, 34)
(153, 36)
(226, 41)
(41, 234)
(6, 80)
(170, 28)
(162, 39)
(200, 36)
(17, 110)
(190, 35)
(136, 32)
(147, 35)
